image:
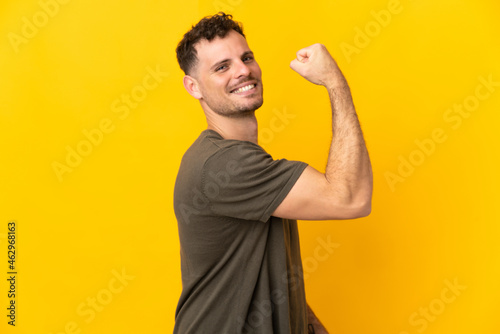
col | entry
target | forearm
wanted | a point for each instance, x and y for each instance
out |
(312, 320)
(347, 191)
(348, 169)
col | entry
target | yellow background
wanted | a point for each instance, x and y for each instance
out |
(114, 211)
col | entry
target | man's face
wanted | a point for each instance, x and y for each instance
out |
(229, 77)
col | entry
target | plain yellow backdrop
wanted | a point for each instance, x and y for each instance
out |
(94, 121)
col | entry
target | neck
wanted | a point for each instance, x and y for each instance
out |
(238, 128)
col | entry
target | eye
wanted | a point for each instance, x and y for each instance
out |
(248, 58)
(220, 68)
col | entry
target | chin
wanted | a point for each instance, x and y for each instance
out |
(252, 107)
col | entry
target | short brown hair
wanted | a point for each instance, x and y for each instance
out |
(208, 28)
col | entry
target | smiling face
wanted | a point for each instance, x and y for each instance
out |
(228, 77)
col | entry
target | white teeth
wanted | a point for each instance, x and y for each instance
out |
(244, 89)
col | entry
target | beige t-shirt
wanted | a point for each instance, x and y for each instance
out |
(241, 267)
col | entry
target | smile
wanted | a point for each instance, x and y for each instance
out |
(244, 88)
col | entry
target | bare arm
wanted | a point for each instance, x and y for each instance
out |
(316, 324)
(344, 191)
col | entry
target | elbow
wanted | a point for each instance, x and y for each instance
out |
(365, 210)
(350, 210)
(349, 205)
(363, 205)
(362, 208)
(358, 202)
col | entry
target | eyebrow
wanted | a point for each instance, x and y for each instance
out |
(217, 64)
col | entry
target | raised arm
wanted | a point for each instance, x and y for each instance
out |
(344, 191)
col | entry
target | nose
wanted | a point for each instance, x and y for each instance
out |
(241, 69)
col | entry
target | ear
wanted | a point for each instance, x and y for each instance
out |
(192, 87)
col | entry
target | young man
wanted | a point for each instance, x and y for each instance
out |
(237, 208)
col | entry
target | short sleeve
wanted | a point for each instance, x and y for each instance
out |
(243, 181)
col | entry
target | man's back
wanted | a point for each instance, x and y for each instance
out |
(241, 267)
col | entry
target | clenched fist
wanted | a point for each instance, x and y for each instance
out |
(317, 65)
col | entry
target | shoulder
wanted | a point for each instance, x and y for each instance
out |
(210, 148)
(211, 151)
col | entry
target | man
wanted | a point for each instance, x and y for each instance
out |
(237, 207)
